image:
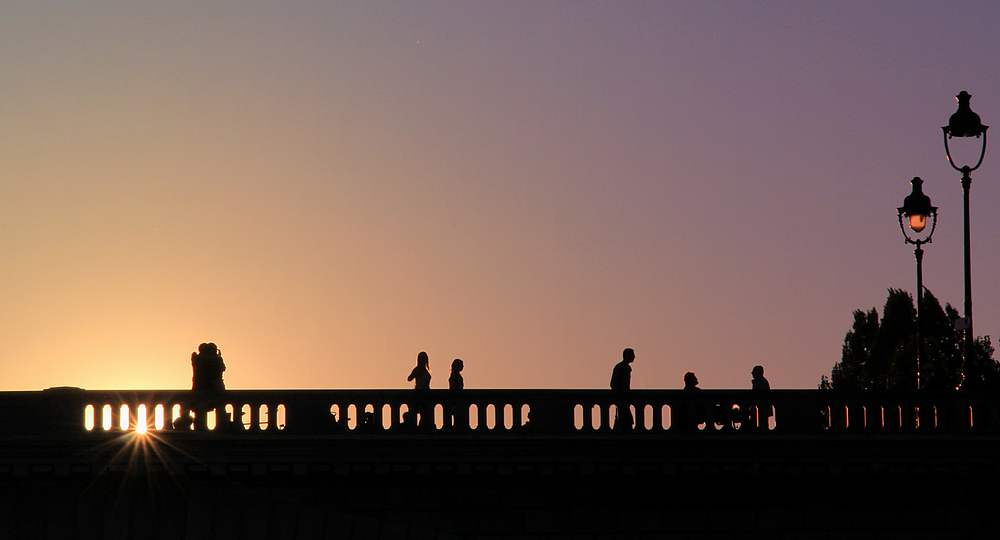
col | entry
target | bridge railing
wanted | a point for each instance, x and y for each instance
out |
(499, 413)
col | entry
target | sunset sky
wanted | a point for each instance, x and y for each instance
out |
(325, 189)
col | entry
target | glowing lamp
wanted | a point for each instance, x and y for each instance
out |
(917, 207)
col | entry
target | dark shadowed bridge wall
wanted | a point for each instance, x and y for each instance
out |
(498, 464)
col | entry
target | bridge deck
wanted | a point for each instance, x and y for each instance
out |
(496, 464)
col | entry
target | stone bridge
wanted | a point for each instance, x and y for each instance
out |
(398, 464)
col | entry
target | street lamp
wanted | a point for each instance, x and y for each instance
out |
(917, 210)
(965, 123)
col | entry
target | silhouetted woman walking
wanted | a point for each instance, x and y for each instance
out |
(455, 382)
(421, 375)
(458, 413)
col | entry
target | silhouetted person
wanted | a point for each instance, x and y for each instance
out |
(621, 377)
(759, 382)
(761, 411)
(421, 377)
(207, 368)
(691, 381)
(455, 381)
(621, 382)
(689, 413)
(206, 375)
(458, 415)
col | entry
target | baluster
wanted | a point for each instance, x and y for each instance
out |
(925, 418)
(481, 415)
(893, 417)
(376, 417)
(253, 417)
(908, 414)
(267, 416)
(982, 416)
(943, 414)
(873, 417)
(958, 414)
(968, 417)
(338, 418)
(856, 416)
(85, 416)
(838, 416)
(221, 418)
(397, 415)
(423, 410)
(264, 416)
(206, 411)
(199, 415)
(986, 413)
(168, 415)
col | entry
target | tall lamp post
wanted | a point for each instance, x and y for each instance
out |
(917, 210)
(965, 123)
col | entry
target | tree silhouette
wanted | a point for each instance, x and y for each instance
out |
(882, 353)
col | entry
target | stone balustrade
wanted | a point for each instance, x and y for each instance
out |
(389, 464)
(499, 413)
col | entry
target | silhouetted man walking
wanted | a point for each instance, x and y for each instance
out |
(761, 411)
(621, 382)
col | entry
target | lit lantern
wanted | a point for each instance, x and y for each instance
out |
(917, 207)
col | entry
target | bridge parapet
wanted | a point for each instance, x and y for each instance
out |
(497, 463)
(658, 414)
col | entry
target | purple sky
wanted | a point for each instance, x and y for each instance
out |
(325, 189)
